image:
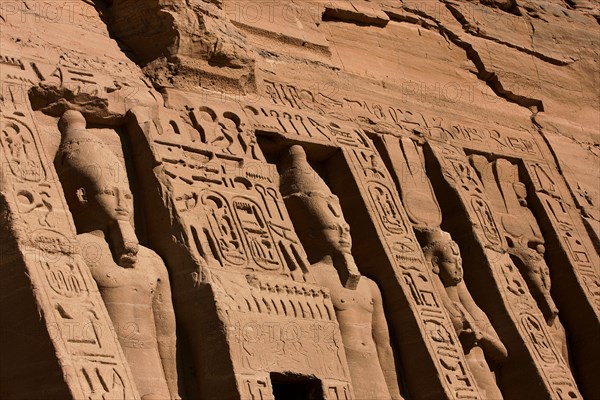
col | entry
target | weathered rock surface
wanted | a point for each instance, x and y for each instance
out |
(346, 199)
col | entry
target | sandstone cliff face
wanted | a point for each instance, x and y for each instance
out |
(346, 199)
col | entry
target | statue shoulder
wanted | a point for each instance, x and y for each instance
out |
(373, 287)
(148, 255)
(89, 238)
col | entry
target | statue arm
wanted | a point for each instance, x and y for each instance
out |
(381, 337)
(486, 334)
(164, 317)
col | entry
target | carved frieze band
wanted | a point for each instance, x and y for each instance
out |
(291, 106)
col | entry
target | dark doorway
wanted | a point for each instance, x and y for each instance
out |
(296, 387)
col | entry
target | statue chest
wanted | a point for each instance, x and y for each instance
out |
(137, 280)
(359, 300)
(352, 300)
(113, 279)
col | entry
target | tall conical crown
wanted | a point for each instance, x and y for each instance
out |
(313, 208)
(84, 161)
(301, 186)
(298, 177)
(82, 155)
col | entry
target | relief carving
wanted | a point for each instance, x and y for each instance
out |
(524, 237)
(460, 140)
(483, 349)
(35, 215)
(479, 340)
(236, 247)
(132, 279)
(357, 300)
(519, 305)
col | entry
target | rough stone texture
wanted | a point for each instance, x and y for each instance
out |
(349, 199)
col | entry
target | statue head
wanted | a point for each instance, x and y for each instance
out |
(317, 214)
(95, 185)
(444, 255)
(323, 225)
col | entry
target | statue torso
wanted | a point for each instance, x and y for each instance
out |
(128, 293)
(353, 308)
(354, 311)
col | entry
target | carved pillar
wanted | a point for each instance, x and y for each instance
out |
(576, 279)
(408, 284)
(482, 348)
(244, 298)
(508, 197)
(502, 291)
(37, 223)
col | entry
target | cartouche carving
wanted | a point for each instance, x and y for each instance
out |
(474, 330)
(358, 304)
(132, 279)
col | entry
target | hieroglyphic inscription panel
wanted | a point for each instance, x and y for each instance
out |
(224, 197)
(225, 192)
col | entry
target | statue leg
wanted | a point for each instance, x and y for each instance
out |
(484, 376)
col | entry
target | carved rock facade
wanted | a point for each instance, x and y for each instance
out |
(220, 199)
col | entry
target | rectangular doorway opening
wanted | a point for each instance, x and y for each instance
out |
(296, 387)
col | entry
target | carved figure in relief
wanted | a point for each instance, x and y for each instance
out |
(479, 340)
(525, 241)
(475, 332)
(358, 305)
(132, 279)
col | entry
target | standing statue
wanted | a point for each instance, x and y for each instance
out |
(475, 332)
(132, 279)
(481, 345)
(524, 237)
(320, 225)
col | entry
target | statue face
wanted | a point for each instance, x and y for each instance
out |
(110, 199)
(114, 201)
(336, 235)
(450, 264)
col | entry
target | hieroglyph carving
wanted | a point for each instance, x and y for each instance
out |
(132, 279)
(78, 323)
(525, 317)
(221, 182)
(302, 124)
(297, 109)
(416, 279)
(508, 196)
